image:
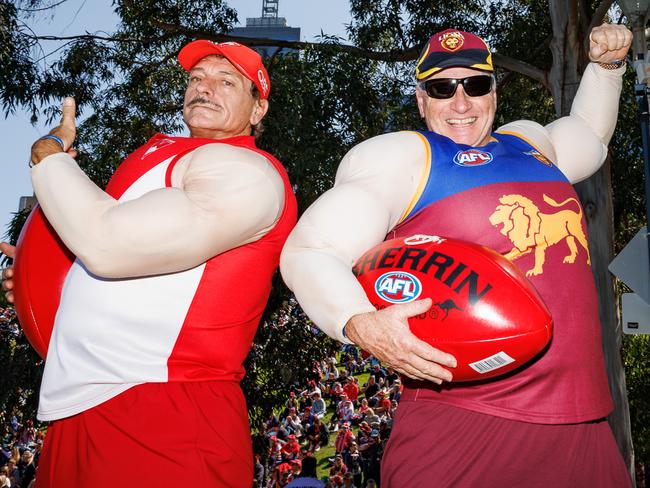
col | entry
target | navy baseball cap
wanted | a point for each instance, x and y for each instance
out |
(453, 48)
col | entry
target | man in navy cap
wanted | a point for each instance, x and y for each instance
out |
(455, 179)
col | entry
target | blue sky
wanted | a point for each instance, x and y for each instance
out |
(77, 17)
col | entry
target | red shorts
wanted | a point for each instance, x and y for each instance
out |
(153, 435)
(434, 444)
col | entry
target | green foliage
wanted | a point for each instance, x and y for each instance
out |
(17, 69)
(636, 355)
(394, 24)
(22, 367)
(627, 168)
(283, 354)
(21, 373)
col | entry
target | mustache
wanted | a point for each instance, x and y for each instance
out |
(203, 101)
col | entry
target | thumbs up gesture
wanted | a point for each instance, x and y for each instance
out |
(65, 132)
(609, 43)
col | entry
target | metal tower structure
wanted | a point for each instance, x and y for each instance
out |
(269, 26)
(270, 8)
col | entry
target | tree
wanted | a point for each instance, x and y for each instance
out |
(636, 351)
(22, 366)
(330, 97)
(572, 23)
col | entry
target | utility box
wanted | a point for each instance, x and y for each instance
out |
(636, 314)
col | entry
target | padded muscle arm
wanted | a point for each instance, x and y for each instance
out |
(374, 185)
(577, 143)
(225, 196)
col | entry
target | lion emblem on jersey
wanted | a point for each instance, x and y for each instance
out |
(531, 230)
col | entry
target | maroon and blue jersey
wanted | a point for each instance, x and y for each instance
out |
(509, 197)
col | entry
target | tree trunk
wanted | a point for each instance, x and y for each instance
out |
(596, 196)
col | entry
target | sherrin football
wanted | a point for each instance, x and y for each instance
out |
(40, 267)
(485, 312)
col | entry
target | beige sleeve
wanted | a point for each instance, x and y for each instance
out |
(223, 197)
(577, 143)
(374, 186)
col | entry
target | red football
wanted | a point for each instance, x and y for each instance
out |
(485, 312)
(41, 264)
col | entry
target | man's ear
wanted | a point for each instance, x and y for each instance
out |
(419, 97)
(259, 111)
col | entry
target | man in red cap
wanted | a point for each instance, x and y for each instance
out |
(173, 270)
(343, 438)
(456, 179)
(291, 449)
(351, 389)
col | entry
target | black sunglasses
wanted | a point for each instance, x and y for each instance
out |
(474, 86)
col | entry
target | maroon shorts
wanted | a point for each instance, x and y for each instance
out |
(434, 444)
(153, 435)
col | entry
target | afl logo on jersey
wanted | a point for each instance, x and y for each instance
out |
(472, 157)
(398, 287)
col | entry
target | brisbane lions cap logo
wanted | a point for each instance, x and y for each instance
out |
(452, 41)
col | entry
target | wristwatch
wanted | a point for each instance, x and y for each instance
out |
(613, 64)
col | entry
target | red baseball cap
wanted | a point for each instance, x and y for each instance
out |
(453, 48)
(248, 62)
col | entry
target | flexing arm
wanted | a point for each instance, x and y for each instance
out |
(580, 139)
(374, 186)
(577, 143)
(223, 197)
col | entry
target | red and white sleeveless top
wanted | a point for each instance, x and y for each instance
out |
(193, 325)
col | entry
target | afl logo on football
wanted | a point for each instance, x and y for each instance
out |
(472, 157)
(398, 287)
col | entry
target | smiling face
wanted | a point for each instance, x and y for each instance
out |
(464, 119)
(219, 102)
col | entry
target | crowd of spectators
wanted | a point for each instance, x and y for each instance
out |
(21, 449)
(8, 320)
(332, 419)
(332, 410)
